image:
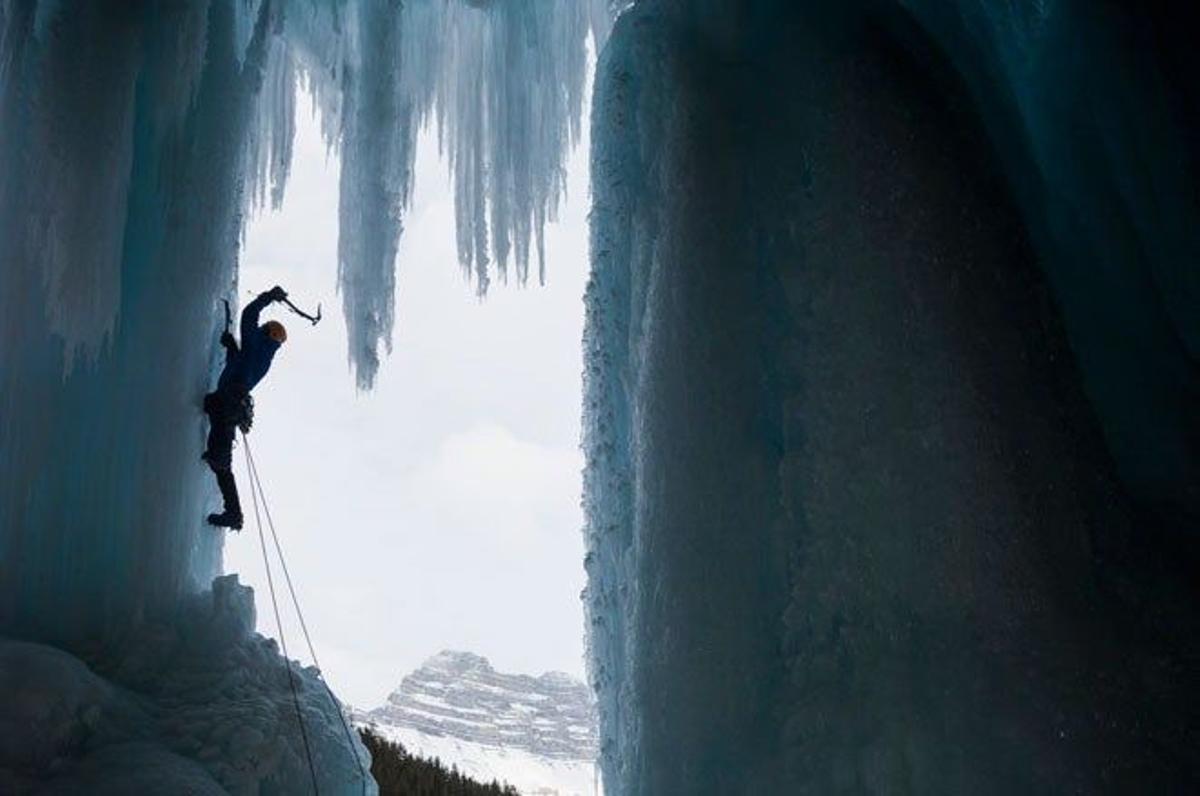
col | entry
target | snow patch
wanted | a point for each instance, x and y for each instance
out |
(200, 706)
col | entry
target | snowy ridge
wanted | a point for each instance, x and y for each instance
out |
(536, 733)
(459, 694)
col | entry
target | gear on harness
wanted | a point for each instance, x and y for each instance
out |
(232, 406)
(246, 419)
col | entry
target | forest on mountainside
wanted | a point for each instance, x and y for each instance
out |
(402, 774)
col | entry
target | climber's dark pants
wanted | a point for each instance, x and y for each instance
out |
(219, 453)
(229, 492)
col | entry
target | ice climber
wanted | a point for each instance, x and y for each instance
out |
(230, 407)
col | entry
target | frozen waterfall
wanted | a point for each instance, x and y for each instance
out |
(134, 141)
(502, 81)
(892, 376)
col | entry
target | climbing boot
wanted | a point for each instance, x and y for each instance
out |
(226, 520)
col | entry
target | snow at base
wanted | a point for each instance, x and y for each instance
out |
(528, 773)
(200, 706)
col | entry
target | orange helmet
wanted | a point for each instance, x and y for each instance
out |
(275, 331)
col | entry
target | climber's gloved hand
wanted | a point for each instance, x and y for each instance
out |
(277, 293)
(227, 340)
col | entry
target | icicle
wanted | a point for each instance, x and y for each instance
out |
(270, 158)
(504, 84)
(378, 139)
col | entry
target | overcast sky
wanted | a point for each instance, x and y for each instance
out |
(440, 510)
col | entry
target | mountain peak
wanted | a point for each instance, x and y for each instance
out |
(457, 661)
(559, 680)
(457, 694)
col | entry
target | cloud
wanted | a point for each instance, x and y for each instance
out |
(442, 509)
(486, 478)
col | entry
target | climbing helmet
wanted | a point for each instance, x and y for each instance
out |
(275, 331)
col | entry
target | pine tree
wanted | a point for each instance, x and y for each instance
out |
(402, 774)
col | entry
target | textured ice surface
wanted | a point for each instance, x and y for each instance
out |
(198, 705)
(885, 365)
(123, 149)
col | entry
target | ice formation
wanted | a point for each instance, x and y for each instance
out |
(134, 140)
(892, 372)
(504, 84)
(199, 704)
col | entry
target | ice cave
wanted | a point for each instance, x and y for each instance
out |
(892, 394)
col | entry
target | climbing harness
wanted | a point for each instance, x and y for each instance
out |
(245, 417)
(257, 494)
(232, 406)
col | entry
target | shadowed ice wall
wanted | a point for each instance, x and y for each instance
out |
(890, 478)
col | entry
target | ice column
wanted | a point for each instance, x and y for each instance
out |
(866, 507)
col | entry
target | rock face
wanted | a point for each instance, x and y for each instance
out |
(459, 695)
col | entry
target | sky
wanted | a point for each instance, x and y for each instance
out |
(441, 509)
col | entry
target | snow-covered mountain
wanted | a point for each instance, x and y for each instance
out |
(536, 733)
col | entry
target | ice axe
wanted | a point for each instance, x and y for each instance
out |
(315, 319)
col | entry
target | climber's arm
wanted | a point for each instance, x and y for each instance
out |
(230, 344)
(250, 315)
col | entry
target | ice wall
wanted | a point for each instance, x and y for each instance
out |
(891, 476)
(131, 138)
(122, 149)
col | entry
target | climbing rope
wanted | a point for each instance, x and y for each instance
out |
(287, 661)
(257, 492)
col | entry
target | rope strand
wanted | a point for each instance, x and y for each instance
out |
(257, 487)
(287, 663)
